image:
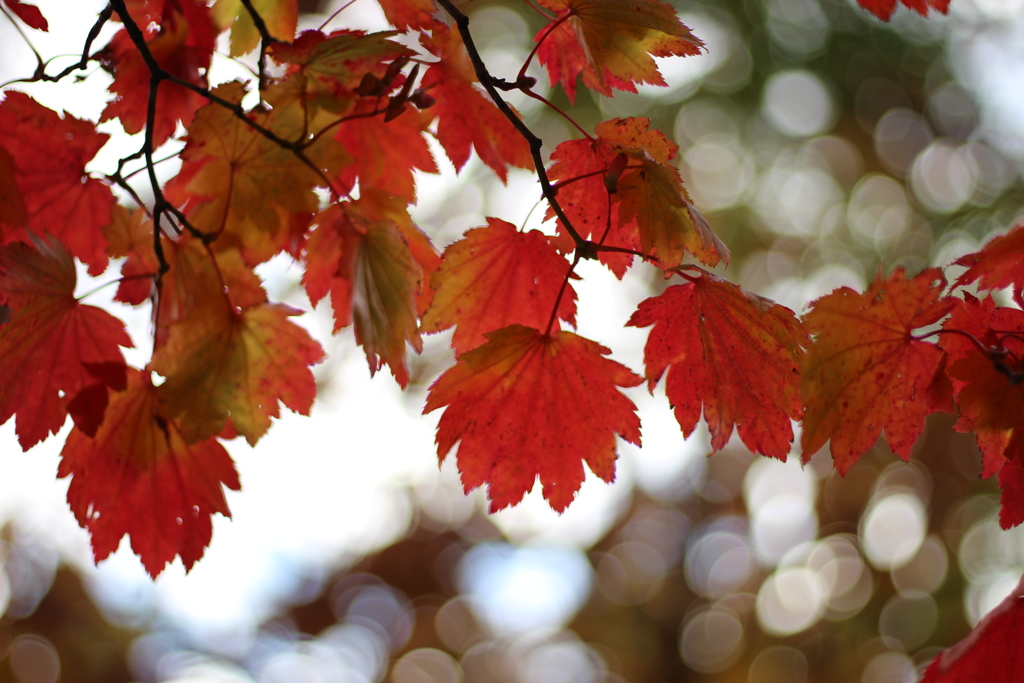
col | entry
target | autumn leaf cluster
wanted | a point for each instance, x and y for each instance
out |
(317, 158)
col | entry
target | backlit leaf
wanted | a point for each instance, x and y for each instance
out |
(405, 14)
(386, 153)
(280, 17)
(138, 477)
(650, 208)
(12, 207)
(525, 405)
(991, 651)
(990, 398)
(494, 277)
(734, 352)
(610, 43)
(999, 264)
(53, 348)
(243, 187)
(364, 261)
(466, 117)
(330, 68)
(50, 154)
(883, 9)
(30, 14)
(866, 371)
(183, 47)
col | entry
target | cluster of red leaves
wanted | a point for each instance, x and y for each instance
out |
(349, 117)
(344, 116)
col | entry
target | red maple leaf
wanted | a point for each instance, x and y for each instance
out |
(610, 43)
(137, 476)
(385, 152)
(650, 208)
(494, 277)
(883, 9)
(525, 405)
(989, 394)
(361, 253)
(182, 46)
(579, 170)
(406, 14)
(991, 652)
(56, 355)
(50, 154)
(12, 206)
(732, 351)
(466, 118)
(866, 371)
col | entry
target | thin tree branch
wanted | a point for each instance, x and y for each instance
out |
(265, 40)
(535, 143)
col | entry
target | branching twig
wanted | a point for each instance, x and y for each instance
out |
(535, 143)
(40, 73)
(157, 75)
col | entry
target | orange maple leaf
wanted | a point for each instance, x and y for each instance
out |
(610, 43)
(329, 69)
(732, 351)
(494, 277)
(525, 405)
(197, 276)
(466, 118)
(139, 477)
(653, 209)
(866, 370)
(362, 256)
(244, 188)
(989, 392)
(56, 355)
(280, 17)
(221, 362)
(50, 154)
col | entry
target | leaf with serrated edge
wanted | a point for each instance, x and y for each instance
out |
(138, 477)
(865, 371)
(525, 405)
(53, 347)
(610, 43)
(496, 276)
(733, 352)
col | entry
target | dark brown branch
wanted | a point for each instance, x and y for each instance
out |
(94, 32)
(159, 74)
(265, 40)
(487, 81)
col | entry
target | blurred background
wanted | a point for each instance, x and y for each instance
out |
(822, 145)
